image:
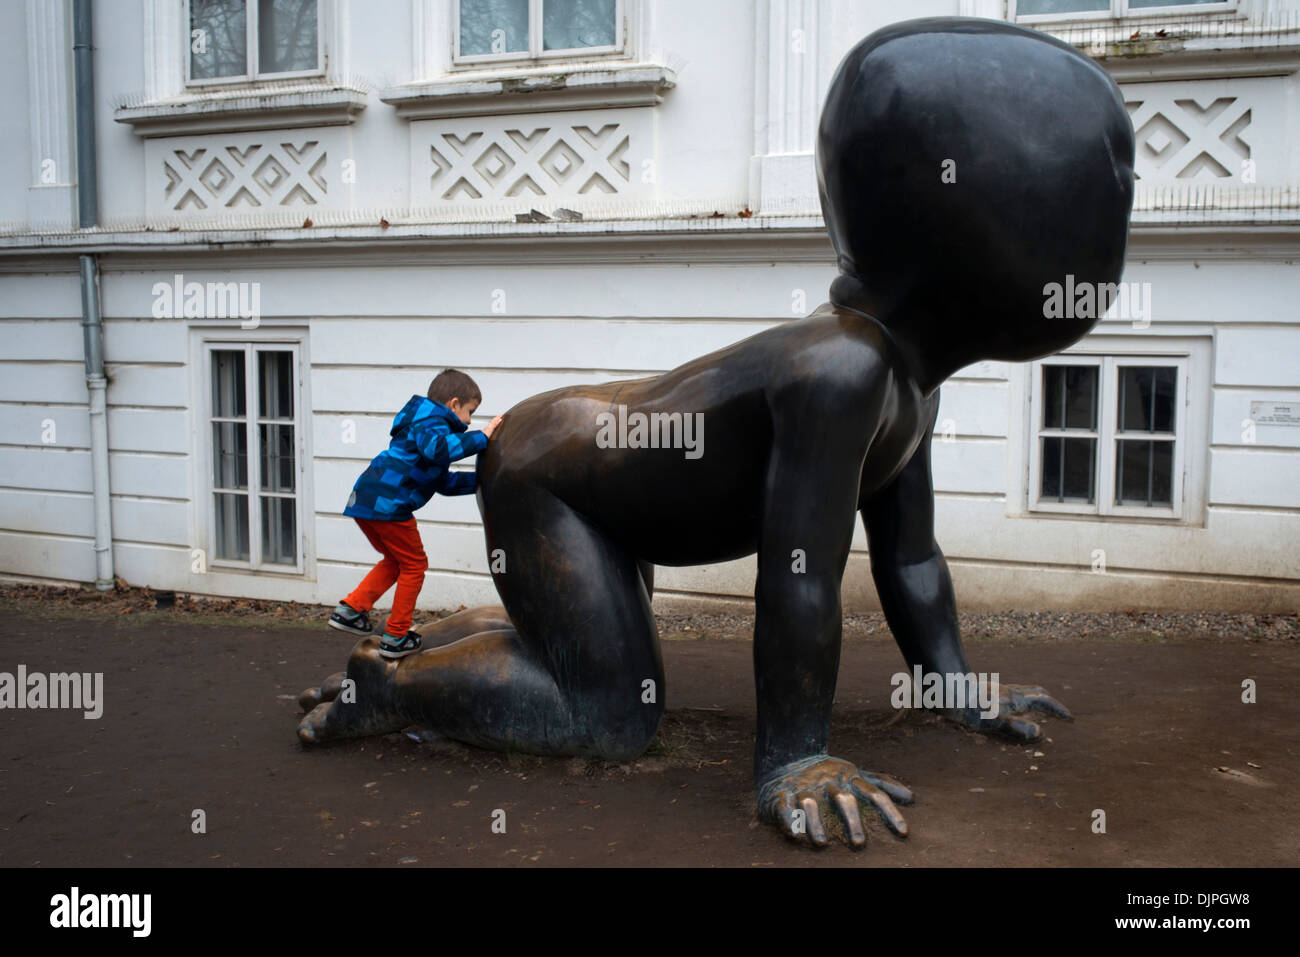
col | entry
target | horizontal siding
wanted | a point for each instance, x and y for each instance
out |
(148, 385)
(1254, 477)
(523, 344)
(1258, 357)
(676, 291)
(41, 296)
(973, 409)
(27, 425)
(59, 470)
(46, 556)
(385, 391)
(60, 339)
(62, 382)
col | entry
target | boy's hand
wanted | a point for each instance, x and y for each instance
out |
(492, 426)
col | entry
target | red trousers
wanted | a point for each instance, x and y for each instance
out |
(404, 562)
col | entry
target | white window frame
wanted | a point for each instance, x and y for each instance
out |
(535, 54)
(1107, 433)
(208, 342)
(1120, 10)
(251, 51)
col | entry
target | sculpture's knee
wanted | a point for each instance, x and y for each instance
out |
(623, 733)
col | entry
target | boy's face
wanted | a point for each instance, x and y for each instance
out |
(463, 410)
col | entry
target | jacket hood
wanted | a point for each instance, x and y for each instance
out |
(422, 407)
(962, 166)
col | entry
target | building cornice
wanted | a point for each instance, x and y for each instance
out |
(723, 240)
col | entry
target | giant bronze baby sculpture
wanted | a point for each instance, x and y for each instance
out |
(963, 165)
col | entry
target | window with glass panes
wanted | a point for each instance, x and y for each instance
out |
(1108, 434)
(1069, 9)
(254, 426)
(488, 30)
(253, 39)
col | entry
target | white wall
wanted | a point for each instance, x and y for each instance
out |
(382, 309)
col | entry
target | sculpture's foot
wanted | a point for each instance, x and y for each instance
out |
(799, 798)
(355, 704)
(1014, 702)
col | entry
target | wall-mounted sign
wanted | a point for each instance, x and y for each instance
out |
(1275, 413)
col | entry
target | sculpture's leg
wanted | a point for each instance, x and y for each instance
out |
(581, 675)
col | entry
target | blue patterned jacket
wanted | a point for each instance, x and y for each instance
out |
(426, 438)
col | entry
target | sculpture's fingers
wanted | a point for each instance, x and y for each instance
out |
(1021, 728)
(812, 816)
(784, 813)
(847, 804)
(1039, 700)
(895, 788)
(892, 817)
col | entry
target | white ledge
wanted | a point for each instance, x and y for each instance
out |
(533, 90)
(245, 108)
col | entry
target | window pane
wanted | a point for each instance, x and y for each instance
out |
(229, 455)
(277, 457)
(571, 24)
(1138, 4)
(493, 26)
(227, 383)
(1027, 7)
(278, 531)
(1144, 473)
(1146, 398)
(275, 385)
(220, 48)
(1069, 470)
(232, 526)
(1070, 397)
(286, 35)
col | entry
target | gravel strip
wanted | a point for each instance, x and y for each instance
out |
(1028, 625)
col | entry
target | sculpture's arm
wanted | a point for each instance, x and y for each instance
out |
(910, 572)
(807, 527)
(810, 493)
(916, 594)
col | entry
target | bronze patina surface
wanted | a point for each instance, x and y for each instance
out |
(805, 425)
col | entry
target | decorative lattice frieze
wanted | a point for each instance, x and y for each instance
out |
(592, 155)
(250, 175)
(1203, 131)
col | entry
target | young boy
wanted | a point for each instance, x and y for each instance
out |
(427, 436)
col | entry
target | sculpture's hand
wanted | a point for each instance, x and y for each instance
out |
(1014, 701)
(812, 786)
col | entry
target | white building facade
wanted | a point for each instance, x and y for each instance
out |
(308, 207)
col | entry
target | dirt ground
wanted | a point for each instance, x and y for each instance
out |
(200, 713)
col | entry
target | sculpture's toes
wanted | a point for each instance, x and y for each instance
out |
(314, 728)
(328, 691)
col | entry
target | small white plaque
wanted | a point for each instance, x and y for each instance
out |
(1275, 413)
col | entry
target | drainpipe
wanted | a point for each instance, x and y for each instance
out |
(91, 323)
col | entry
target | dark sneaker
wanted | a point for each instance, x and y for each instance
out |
(347, 618)
(392, 647)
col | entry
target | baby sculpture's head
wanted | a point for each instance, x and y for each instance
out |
(964, 165)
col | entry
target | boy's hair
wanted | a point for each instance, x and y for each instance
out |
(454, 384)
